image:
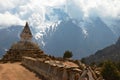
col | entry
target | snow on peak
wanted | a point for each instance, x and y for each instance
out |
(83, 27)
(85, 32)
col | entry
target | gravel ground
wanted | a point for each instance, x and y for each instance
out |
(15, 71)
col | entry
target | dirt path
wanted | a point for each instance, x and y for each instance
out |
(14, 71)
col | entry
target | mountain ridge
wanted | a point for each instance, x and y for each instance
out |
(111, 53)
(68, 35)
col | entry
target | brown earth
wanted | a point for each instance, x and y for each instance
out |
(15, 71)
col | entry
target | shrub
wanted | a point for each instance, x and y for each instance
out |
(67, 54)
(110, 71)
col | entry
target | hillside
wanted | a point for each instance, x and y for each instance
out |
(109, 53)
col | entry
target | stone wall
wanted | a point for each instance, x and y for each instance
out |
(50, 72)
(55, 70)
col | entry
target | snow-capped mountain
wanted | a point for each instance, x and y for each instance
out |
(81, 41)
(81, 37)
(81, 26)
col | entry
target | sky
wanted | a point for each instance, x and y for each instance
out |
(17, 12)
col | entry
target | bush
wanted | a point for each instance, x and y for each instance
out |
(110, 71)
(118, 65)
(83, 60)
(67, 54)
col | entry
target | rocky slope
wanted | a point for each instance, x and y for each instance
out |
(109, 53)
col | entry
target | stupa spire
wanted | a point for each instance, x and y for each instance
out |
(26, 33)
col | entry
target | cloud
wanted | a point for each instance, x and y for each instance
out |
(74, 10)
(5, 5)
(19, 11)
(28, 10)
(106, 8)
(8, 5)
(9, 19)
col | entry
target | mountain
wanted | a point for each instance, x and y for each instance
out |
(111, 52)
(114, 25)
(81, 37)
(68, 35)
(8, 36)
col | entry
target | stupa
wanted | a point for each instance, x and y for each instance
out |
(24, 47)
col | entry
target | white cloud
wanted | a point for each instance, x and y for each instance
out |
(5, 5)
(74, 10)
(34, 11)
(11, 4)
(105, 8)
(18, 11)
(9, 19)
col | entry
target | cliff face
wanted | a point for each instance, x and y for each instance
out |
(109, 53)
